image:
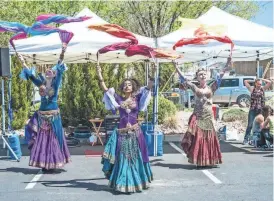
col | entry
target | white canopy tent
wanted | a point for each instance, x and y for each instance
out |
(247, 36)
(82, 48)
(250, 39)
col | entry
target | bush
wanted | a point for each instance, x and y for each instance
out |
(166, 108)
(235, 114)
(180, 107)
(171, 122)
(21, 91)
(270, 102)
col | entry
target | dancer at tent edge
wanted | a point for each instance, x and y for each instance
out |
(200, 142)
(125, 158)
(47, 141)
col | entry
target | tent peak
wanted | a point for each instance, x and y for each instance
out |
(87, 12)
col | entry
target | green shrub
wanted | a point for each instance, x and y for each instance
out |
(171, 122)
(235, 114)
(166, 108)
(270, 102)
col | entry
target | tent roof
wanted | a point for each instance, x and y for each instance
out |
(247, 36)
(82, 47)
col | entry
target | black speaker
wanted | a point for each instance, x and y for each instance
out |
(5, 70)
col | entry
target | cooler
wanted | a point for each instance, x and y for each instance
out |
(147, 129)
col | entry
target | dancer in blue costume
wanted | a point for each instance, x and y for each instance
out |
(125, 158)
(44, 131)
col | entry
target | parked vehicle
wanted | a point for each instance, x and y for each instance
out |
(232, 90)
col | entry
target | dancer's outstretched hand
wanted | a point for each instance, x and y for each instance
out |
(22, 60)
(64, 47)
(62, 55)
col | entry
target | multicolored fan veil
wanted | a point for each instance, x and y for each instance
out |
(40, 27)
(59, 19)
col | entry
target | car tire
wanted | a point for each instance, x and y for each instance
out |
(243, 99)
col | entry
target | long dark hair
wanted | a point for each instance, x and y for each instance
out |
(135, 85)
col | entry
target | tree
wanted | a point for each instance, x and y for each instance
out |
(157, 18)
(26, 11)
(21, 93)
(80, 95)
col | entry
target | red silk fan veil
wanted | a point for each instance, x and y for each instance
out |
(117, 31)
(203, 34)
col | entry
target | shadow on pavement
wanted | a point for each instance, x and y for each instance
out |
(81, 183)
(26, 171)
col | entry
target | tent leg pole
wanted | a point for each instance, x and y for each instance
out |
(3, 109)
(146, 81)
(258, 65)
(9, 106)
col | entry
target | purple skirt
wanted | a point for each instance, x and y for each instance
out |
(46, 150)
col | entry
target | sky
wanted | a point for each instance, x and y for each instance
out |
(265, 15)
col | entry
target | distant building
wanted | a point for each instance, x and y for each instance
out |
(250, 68)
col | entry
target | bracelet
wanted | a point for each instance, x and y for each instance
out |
(101, 80)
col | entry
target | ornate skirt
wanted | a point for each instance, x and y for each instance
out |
(125, 162)
(47, 141)
(201, 143)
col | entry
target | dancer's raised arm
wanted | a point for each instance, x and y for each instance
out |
(218, 79)
(184, 82)
(268, 84)
(110, 97)
(144, 96)
(101, 79)
(60, 67)
(178, 70)
(28, 73)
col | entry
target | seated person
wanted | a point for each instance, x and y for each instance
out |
(267, 126)
(256, 130)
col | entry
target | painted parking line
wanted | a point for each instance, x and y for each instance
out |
(33, 182)
(211, 176)
(177, 148)
(206, 172)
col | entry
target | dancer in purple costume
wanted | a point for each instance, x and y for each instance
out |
(44, 131)
(125, 158)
